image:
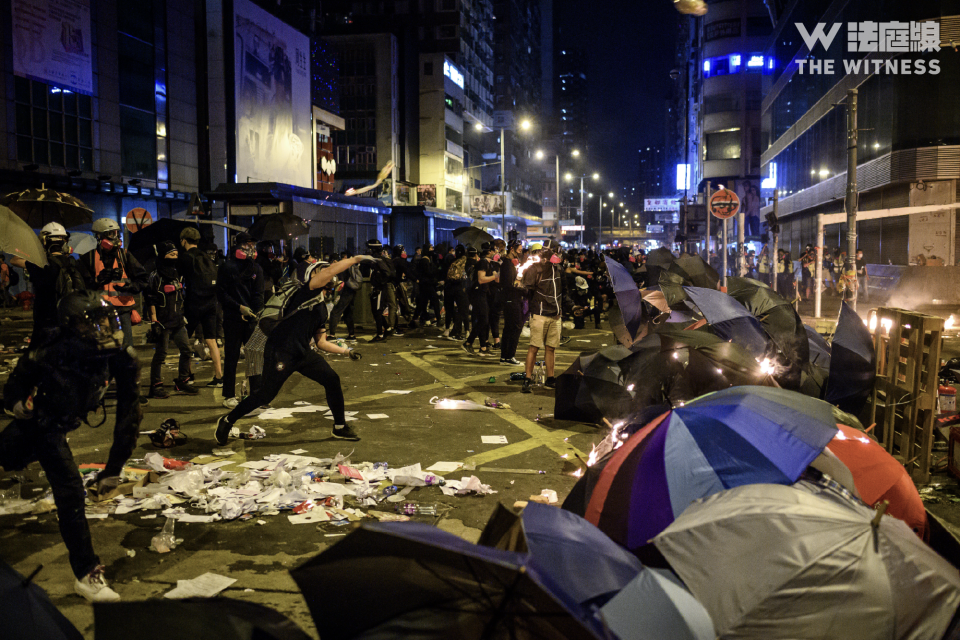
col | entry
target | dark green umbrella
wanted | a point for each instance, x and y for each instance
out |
(777, 317)
(660, 258)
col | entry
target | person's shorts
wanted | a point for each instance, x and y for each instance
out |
(205, 317)
(544, 331)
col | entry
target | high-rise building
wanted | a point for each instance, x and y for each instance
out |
(571, 98)
(652, 180)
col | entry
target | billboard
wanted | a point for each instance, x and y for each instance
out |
(51, 43)
(486, 205)
(661, 204)
(427, 195)
(272, 85)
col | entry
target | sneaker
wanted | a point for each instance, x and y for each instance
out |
(484, 353)
(446, 332)
(216, 383)
(231, 403)
(378, 338)
(551, 382)
(222, 433)
(398, 332)
(527, 383)
(565, 339)
(184, 386)
(94, 588)
(510, 361)
(467, 347)
(157, 391)
(345, 432)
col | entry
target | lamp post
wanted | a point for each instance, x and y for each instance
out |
(569, 177)
(525, 125)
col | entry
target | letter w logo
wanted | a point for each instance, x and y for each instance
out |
(811, 39)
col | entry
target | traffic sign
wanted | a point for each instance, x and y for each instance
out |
(137, 219)
(573, 227)
(724, 204)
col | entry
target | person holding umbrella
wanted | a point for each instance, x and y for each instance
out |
(200, 306)
(240, 291)
(164, 297)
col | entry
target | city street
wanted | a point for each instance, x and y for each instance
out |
(257, 556)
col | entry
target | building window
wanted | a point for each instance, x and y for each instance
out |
(723, 145)
(54, 126)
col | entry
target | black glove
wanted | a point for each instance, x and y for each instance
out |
(354, 355)
(105, 277)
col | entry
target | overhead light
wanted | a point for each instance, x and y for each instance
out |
(478, 127)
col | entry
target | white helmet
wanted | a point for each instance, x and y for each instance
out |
(52, 229)
(103, 226)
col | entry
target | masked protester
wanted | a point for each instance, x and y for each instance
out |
(455, 300)
(402, 281)
(352, 281)
(164, 300)
(301, 321)
(494, 293)
(240, 291)
(50, 393)
(426, 269)
(512, 298)
(302, 259)
(200, 307)
(51, 283)
(113, 272)
(480, 275)
(543, 280)
(381, 273)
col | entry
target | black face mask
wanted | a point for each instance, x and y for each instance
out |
(56, 245)
(167, 267)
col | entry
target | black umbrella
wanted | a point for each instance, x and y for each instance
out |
(777, 317)
(220, 618)
(27, 612)
(853, 363)
(143, 243)
(278, 226)
(695, 272)
(660, 258)
(411, 580)
(472, 236)
(18, 239)
(37, 207)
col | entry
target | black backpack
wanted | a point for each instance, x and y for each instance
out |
(204, 279)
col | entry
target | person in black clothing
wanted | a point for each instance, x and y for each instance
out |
(426, 270)
(495, 296)
(479, 277)
(288, 350)
(512, 305)
(240, 291)
(455, 300)
(576, 303)
(404, 276)
(49, 394)
(200, 308)
(302, 259)
(381, 273)
(344, 305)
(164, 301)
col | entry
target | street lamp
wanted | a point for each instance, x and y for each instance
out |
(570, 177)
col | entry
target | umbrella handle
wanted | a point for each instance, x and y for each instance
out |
(29, 578)
(881, 509)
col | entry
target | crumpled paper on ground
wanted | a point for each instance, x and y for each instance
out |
(188, 482)
(256, 433)
(465, 486)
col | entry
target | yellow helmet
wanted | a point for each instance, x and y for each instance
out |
(536, 246)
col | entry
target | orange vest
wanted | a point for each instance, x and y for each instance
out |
(110, 293)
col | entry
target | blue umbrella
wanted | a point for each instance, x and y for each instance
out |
(628, 295)
(819, 349)
(27, 612)
(656, 605)
(730, 320)
(853, 363)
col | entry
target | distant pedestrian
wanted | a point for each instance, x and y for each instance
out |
(164, 297)
(352, 281)
(512, 297)
(200, 305)
(240, 291)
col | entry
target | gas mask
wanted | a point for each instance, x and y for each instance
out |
(101, 326)
(55, 244)
(110, 241)
(241, 253)
(403, 254)
(555, 259)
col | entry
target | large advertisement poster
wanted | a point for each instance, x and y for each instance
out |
(273, 99)
(51, 43)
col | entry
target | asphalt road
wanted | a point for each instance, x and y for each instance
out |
(536, 457)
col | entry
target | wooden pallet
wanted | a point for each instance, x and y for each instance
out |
(903, 403)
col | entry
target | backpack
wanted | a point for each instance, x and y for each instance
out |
(473, 279)
(383, 273)
(272, 312)
(65, 277)
(204, 280)
(457, 270)
(354, 278)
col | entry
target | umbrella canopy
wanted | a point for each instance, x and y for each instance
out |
(278, 226)
(472, 236)
(37, 207)
(819, 348)
(220, 618)
(429, 583)
(593, 386)
(81, 243)
(27, 612)
(777, 317)
(737, 436)
(853, 363)
(772, 561)
(730, 320)
(628, 296)
(17, 238)
(660, 257)
(655, 605)
(695, 271)
(590, 566)
(878, 476)
(143, 243)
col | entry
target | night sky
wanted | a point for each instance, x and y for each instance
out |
(630, 48)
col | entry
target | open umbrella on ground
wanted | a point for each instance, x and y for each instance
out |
(777, 317)
(37, 207)
(593, 386)
(472, 236)
(741, 435)
(629, 298)
(853, 363)
(221, 618)
(413, 580)
(730, 320)
(654, 606)
(81, 243)
(278, 226)
(878, 476)
(18, 239)
(772, 561)
(143, 243)
(27, 612)
(819, 348)
(695, 271)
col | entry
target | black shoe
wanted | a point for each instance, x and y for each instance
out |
(467, 347)
(345, 433)
(527, 383)
(551, 382)
(513, 362)
(565, 339)
(143, 400)
(183, 386)
(216, 383)
(484, 353)
(351, 337)
(190, 378)
(157, 391)
(222, 433)
(388, 332)
(378, 338)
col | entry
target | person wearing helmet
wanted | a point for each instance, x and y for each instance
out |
(240, 291)
(51, 391)
(116, 274)
(50, 283)
(288, 349)
(164, 299)
(576, 302)
(544, 282)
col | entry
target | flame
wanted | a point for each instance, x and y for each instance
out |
(578, 473)
(526, 265)
(873, 322)
(886, 323)
(767, 367)
(629, 387)
(592, 458)
(950, 322)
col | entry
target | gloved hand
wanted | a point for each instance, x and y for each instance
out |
(125, 288)
(106, 484)
(105, 277)
(354, 355)
(364, 258)
(247, 312)
(21, 412)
